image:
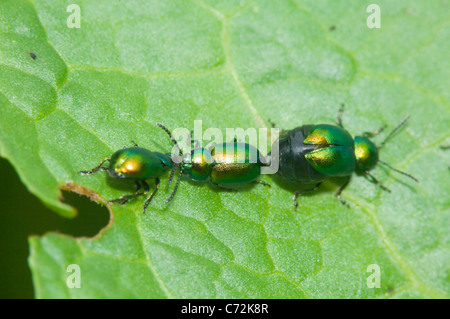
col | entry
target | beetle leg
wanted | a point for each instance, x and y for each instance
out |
(96, 169)
(272, 123)
(134, 144)
(339, 191)
(275, 126)
(229, 189)
(146, 187)
(299, 193)
(375, 181)
(122, 200)
(339, 116)
(149, 199)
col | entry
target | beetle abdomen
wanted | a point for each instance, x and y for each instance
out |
(293, 166)
(235, 163)
(310, 153)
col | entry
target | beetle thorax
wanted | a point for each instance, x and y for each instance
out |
(366, 153)
(198, 164)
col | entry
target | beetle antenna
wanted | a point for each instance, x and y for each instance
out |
(394, 130)
(398, 171)
(171, 137)
(174, 169)
(175, 189)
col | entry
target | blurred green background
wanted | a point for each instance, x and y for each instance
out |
(22, 215)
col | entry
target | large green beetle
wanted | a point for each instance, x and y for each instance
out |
(312, 153)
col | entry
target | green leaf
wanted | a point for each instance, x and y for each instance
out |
(231, 64)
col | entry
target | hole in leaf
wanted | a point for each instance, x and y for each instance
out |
(22, 215)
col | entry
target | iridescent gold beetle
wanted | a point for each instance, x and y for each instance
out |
(224, 165)
(137, 164)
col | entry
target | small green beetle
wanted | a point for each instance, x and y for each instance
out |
(224, 164)
(223, 167)
(138, 164)
(312, 153)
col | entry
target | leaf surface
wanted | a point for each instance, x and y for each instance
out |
(133, 64)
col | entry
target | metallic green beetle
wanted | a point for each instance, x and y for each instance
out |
(138, 164)
(224, 164)
(312, 153)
